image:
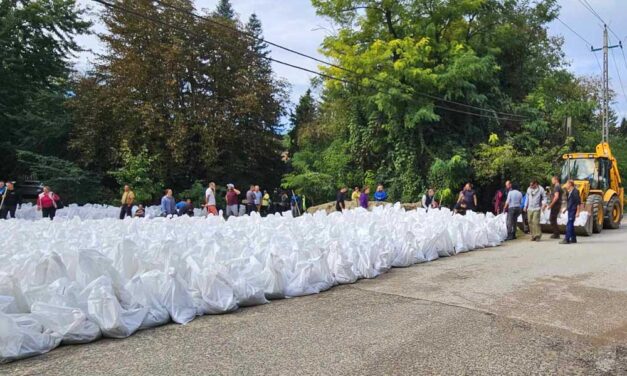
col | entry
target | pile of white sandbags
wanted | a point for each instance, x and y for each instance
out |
(562, 219)
(73, 281)
(29, 211)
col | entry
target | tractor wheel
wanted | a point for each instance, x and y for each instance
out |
(614, 213)
(597, 212)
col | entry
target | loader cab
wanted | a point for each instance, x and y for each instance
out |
(587, 170)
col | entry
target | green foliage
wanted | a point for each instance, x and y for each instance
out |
(205, 104)
(138, 171)
(71, 182)
(196, 193)
(449, 175)
(36, 40)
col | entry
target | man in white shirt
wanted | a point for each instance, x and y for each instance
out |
(210, 199)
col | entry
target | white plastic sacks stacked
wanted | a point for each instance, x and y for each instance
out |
(74, 281)
(562, 219)
(88, 211)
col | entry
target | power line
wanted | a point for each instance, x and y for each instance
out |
(589, 7)
(620, 80)
(574, 32)
(328, 76)
(250, 35)
(591, 10)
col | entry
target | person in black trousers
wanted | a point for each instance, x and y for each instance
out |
(10, 201)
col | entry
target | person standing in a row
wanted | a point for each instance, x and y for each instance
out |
(47, 203)
(513, 209)
(533, 207)
(573, 207)
(232, 201)
(363, 198)
(468, 197)
(210, 199)
(168, 205)
(128, 197)
(555, 205)
(250, 200)
(9, 201)
(340, 200)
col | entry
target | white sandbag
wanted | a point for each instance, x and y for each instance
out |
(14, 301)
(71, 323)
(25, 340)
(213, 293)
(177, 298)
(157, 313)
(104, 308)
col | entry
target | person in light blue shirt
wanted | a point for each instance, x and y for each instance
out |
(168, 206)
(513, 206)
(380, 194)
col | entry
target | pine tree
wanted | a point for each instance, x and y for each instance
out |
(225, 10)
(304, 113)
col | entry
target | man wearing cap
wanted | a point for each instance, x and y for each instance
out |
(232, 203)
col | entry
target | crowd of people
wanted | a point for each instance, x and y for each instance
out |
(509, 200)
(255, 200)
(10, 199)
(514, 203)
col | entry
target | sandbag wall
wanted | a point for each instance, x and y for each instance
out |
(73, 280)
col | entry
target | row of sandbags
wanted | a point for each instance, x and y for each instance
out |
(29, 211)
(74, 281)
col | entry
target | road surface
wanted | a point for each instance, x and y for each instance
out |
(519, 309)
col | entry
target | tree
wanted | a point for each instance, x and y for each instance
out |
(137, 171)
(225, 10)
(396, 58)
(36, 39)
(304, 114)
(202, 99)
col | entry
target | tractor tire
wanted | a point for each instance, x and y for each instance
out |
(614, 213)
(596, 202)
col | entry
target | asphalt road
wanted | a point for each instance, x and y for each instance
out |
(520, 309)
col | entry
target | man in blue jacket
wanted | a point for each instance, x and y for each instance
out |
(573, 206)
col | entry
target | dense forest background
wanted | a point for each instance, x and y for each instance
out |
(420, 94)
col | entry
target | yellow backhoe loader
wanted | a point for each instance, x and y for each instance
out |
(597, 178)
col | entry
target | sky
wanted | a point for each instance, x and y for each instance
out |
(294, 24)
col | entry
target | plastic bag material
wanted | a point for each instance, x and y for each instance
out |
(213, 293)
(21, 338)
(157, 313)
(177, 299)
(71, 323)
(104, 308)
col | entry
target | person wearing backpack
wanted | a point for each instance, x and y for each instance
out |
(47, 203)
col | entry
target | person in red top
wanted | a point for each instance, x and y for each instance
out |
(232, 203)
(47, 203)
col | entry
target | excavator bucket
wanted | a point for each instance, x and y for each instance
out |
(580, 229)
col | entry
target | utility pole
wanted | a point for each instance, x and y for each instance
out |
(605, 111)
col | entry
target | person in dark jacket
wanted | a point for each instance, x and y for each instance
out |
(340, 199)
(573, 207)
(10, 200)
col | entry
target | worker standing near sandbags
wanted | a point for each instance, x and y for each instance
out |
(128, 197)
(513, 208)
(533, 208)
(555, 206)
(363, 198)
(573, 206)
(340, 200)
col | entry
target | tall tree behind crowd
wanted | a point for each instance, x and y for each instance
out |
(182, 88)
(401, 54)
(36, 43)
